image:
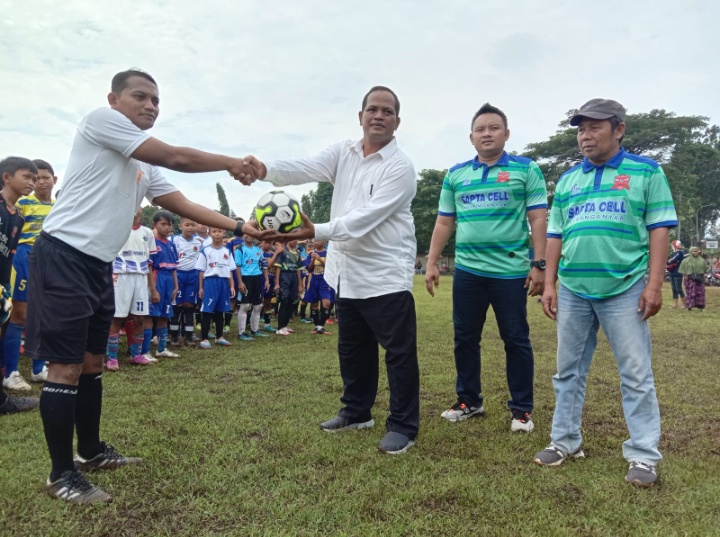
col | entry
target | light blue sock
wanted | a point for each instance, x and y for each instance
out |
(146, 340)
(112, 346)
(136, 345)
(11, 347)
(162, 334)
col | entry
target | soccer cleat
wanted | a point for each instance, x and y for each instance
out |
(205, 344)
(16, 382)
(341, 423)
(244, 337)
(18, 404)
(289, 330)
(140, 359)
(166, 354)
(258, 334)
(305, 320)
(282, 332)
(394, 443)
(320, 331)
(226, 329)
(521, 421)
(40, 377)
(108, 459)
(461, 412)
(154, 341)
(330, 321)
(223, 342)
(112, 364)
(150, 358)
(641, 474)
(211, 335)
(189, 342)
(174, 343)
(554, 456)
(74, 487)
(268, 328)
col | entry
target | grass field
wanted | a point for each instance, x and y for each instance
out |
(232, 446)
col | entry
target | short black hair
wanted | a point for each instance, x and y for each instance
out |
(12, 165)
(120, 80)
(44, 165)
(487, 108)
(382, 88)
(614, 124)
(163, 215)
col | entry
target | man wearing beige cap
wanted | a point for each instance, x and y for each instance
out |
(609, 221)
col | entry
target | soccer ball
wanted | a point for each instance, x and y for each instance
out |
(279, 211)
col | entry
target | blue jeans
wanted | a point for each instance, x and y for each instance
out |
(578, 320)
(676, 283)
(472, 295)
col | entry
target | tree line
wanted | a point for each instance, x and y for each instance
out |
(687, 147)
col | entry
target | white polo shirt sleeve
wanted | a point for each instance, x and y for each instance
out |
(109, 128)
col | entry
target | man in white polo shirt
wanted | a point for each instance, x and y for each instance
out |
(70, 305)
(370, 263)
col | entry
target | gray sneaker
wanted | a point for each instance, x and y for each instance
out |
(554, 456)
(341, 423)
(461, 412)
(395, 443)
(72, 486)
(18, 404)
(641, 474)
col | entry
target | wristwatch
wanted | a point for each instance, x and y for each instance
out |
(238, 229)
(538, 264)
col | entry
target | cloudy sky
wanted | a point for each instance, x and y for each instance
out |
(283, 79)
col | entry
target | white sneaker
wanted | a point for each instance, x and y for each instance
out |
(16, 382)
(150, 358)
(40, 377)
(282, 332)
(166, 354)
(154, 341)
(521, 422)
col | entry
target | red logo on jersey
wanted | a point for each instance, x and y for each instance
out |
(622, 182)
(225, 256)
(503, 177)
(139, 176)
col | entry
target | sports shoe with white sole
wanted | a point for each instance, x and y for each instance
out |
(283, 332)
(521, 421)
(74, 487)
(16, 382)
(140, 359)
(554, 456)
(166, 354)
(205, 344)
(395, 443)
(257, 334)
(461, 412)
(14, 404)
(108, 459)
(223, 342)
(40, 377)
(112, 364)
(641, 474)
(341, 423)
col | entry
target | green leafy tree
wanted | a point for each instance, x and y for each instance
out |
(425, 208)
(222, 198)
(316, 204)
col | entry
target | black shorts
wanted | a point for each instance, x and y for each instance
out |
(70, 304)
(254, 285)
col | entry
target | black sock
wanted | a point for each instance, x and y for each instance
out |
(218, 319)
(87, 414)
(315, 314)
(189, 315)
(324, 315)
(205, 323)
(266, 317)
(175, 322)
(198, 317)
(57, 410)
(303, 310)
(228, 318)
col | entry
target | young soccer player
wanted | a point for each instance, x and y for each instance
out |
(164, 264)
(113, 165)
(188, 246)
(18, 179)
(306, 277)
(34, 208)
(288, 282)
(248, 259)
(269, 257)
(319, 293)
(215, 266)
(134, 292)
(233, 244)
(203, 234)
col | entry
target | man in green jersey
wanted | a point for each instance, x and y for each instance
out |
(492, 197)
(609, 221)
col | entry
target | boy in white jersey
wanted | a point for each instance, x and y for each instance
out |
(188, 246)
(215, 266)
(134, 288)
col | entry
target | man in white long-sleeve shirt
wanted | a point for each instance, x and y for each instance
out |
(370, 264)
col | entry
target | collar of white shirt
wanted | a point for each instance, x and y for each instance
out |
(386, 152)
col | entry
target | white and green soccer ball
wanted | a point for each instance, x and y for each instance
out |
(279, 211)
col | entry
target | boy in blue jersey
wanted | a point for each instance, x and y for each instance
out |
(34, 208)
(188, 247)
(288, 282)
(18, 177)
(164, 262)
(232, 245)
(305, 276)
(319, 293)
(248, 259)
(215, 266)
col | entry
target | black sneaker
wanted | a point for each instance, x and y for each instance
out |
(72, 486)
(641, 474)
(18, 404)
(341, 423)
(395, 443)
(461, 412)
(108, 459)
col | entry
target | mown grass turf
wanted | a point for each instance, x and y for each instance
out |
(232, 446)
